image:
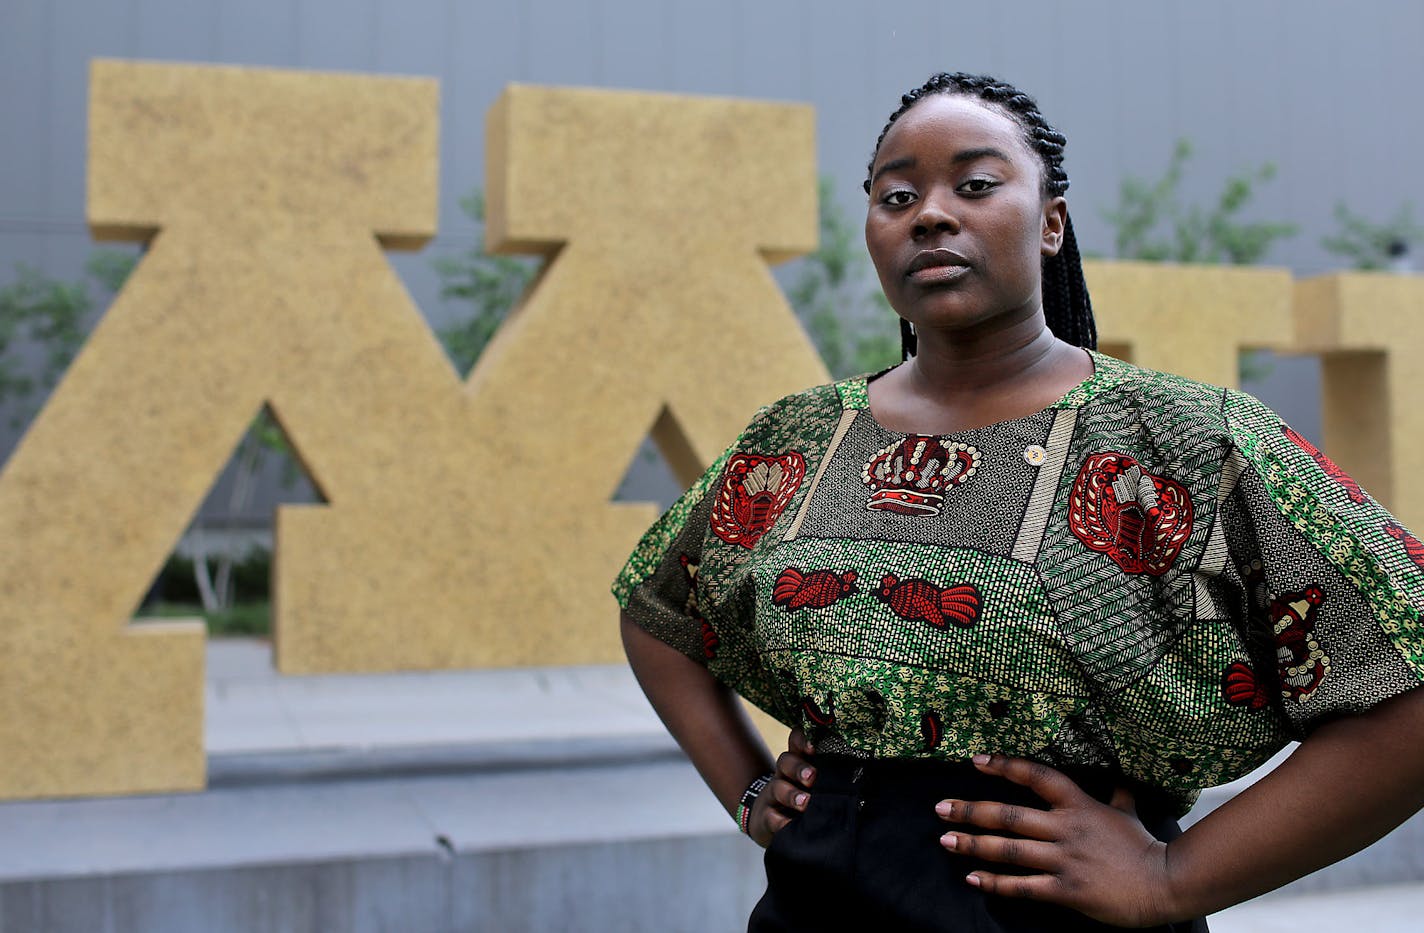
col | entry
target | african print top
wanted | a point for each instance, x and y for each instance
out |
(1153, 575)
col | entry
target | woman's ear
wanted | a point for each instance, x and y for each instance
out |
(1055, 218)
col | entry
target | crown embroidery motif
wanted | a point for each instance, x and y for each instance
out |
(1139, 519)
(911, 476)
(754, 493)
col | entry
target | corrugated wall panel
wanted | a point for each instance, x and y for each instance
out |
(26, 112)
(178, 30)
(1330, 98)
(258, 32)
(633, 46)
(1328, 92)
(348, 42)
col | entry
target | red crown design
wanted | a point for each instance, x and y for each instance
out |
(1139, 519)
(911, 476)
(755, 491)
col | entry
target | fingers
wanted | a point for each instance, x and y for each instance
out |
(1052, 785)
(1123, 800)
(767, 819)
(1004, 817)
(1028, 887)
(792, 767)
(786, 794)
(1026, 853)
(776, 820)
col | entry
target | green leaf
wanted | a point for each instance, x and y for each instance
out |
(1144, 209)
(484, 286)
(1367, 244)
(852, 327)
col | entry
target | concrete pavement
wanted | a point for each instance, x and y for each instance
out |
(463, 789)
(250, 708)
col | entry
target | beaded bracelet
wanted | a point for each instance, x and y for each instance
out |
(749, 796)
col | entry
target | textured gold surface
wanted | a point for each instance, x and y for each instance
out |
(469, 524)
(465, 525)
(658, 313)
(1369, 329)
(488, 536)
(1192, 320)
(263, 282)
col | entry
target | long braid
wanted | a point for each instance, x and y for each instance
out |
(1066, 306)
(909, 343)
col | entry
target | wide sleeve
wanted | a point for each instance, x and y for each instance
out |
(1333, 584)
(690, 580)
(657, 587)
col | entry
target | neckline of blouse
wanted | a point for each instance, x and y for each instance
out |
(1107, 372)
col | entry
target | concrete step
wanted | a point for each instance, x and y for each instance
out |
(250, 708)
(629, 847)
(1371, 909)
(547, 799)
(596, 847)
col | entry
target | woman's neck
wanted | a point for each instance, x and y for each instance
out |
(944, 367)
(958, 384)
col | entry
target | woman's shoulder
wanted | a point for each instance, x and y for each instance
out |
(1124, 383)
(825, 395)
(1175, 406)
(1176, 410)
(801, 416)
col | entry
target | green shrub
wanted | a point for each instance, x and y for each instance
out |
(242, 619)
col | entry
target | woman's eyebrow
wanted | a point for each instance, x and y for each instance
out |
(983, 152)
(893, 165)
(964, 155)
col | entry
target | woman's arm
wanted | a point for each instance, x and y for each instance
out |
(1349, 783)
(712, 728)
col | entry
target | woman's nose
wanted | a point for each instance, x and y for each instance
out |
(935, 215)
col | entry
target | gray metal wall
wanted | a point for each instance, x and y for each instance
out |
(1327, 90)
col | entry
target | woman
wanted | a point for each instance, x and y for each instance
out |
(1022, 600)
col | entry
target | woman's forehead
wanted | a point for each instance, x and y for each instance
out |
(953, 122)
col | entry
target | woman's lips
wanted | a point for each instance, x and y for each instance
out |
(938, 274)
(937, 265)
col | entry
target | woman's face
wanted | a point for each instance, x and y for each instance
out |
(957, 224)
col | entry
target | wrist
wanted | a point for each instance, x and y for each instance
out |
(743, 813)
(1174, 902)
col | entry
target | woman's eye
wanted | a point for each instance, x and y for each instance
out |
(897, 198)
(978, 186)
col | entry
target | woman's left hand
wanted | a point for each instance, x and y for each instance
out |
(1093, 857)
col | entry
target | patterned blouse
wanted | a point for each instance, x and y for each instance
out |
(1153, 576)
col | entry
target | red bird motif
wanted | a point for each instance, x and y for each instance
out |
(1241, 688)
(932, 729)
(1352, 488)
(815, 590)
(921, 601)
(710, 641)
(1412, 545)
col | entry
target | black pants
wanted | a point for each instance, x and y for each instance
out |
(865, 855)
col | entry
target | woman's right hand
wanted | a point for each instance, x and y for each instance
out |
(787, 794)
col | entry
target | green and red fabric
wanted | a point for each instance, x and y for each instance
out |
(1152, 576)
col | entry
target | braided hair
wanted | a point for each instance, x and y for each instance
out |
(1066, 307)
